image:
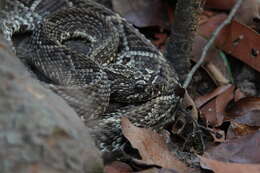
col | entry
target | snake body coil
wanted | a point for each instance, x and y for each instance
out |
(100, 64)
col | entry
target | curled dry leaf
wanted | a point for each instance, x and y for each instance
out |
(224, 167)
(200, 101)
(245, 149)
(152, 147)
(214, 110)
(243, 106)
(244, 117)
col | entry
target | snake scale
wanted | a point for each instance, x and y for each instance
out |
(95, 60)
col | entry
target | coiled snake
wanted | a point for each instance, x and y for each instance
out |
(100, 64)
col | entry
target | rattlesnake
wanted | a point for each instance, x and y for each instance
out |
(98, 62)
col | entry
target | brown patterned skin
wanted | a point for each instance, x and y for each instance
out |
(100, 64)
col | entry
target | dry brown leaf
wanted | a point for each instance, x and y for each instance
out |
(245, 149)
(243, 125)
(214, 111)
(152, 147)
(223, 167)
(200, 101)
(243, 106)
(244, 116)
(236, 39)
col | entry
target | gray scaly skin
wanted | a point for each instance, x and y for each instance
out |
(100, 64)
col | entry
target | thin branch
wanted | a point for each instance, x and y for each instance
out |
(211, 41)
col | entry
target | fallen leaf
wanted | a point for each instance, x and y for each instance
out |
(214, 111)
(152, 147)
(236, 39)
(244, 117)
(243, 107)
(245, 149)
(224, 167)
(243, 125)
(200, 101)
